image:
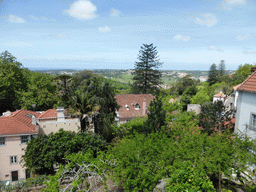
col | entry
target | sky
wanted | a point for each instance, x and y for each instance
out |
(108, 34)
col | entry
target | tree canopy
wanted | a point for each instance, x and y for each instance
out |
(146, 74)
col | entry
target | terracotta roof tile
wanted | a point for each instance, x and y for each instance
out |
(249, 85)
(220, 94)
(130, 100)
(50, 113)
(19, 122)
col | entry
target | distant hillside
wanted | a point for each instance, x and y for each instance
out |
(125, 75)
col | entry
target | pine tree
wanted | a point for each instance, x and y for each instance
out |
(213, 74)
(222, 68)
(146, 75)
(156, 116)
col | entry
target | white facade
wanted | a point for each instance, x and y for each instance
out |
(246, 114)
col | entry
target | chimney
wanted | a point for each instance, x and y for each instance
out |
(60, 114)
(33, 120)
(7, 113)
(144, 108)
(253, 69)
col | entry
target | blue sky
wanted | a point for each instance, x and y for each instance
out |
(107, 34)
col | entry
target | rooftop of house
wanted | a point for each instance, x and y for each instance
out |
(220, 94)
(50, 113)
(249, 85)
(128, 103)
(18, 122)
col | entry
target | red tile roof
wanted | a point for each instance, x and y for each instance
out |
(50, 113)
(249, 85)
(220, 94)
(19, 122)
(130, 100)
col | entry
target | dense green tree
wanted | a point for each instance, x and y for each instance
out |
(184, 83)
(241, 73)
(156, 116)
(201, 97)
(81, 76)
(213, 74)
(185, 100)
(41, 91)
(12, 82)
(45, 151)
(64, 88)
(222, 68)
(146, 75)
(214, 116)
(95, 100)
(7, 57)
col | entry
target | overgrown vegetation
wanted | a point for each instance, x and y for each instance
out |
(170, 143)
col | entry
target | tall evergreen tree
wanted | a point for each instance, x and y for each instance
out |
(146, 75)
(213, 74)
(222, 68)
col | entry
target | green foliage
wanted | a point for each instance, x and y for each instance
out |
(213, 117)
(12, 82)
(200, 98)
(189, 178)
(146, 74)
(44, 151)
(80, 166)
(242, 73)
(185, 83)
(213, 74)
(41, 91)
(156, 116)
(185, 100)
(24, 185)
(141, 161)
(222, 68)
(129, 128)
(95, 97)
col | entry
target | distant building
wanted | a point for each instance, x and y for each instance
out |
(132, 105)
(203, 78)
(194, 107)
(54, 119)
(219, 97)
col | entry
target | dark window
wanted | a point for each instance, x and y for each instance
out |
(24, 139)
(2, 140)
(27, 173)
(253, 121)
(15, 176)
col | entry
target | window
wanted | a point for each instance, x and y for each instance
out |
(253, 121)
(24, 139)
(15, 176)
(137, 106)
(13, 159)
(2, 140)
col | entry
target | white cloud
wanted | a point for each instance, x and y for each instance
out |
(214, 48)
(82, 9)
(115, 12)
(208, 19)
(15, 19)
(231, 4)
(104, 29)
(181, 37)
(243, 37)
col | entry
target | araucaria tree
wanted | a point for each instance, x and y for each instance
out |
(146, 75)
(213, 74)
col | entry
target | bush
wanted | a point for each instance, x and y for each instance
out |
(189, 178)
